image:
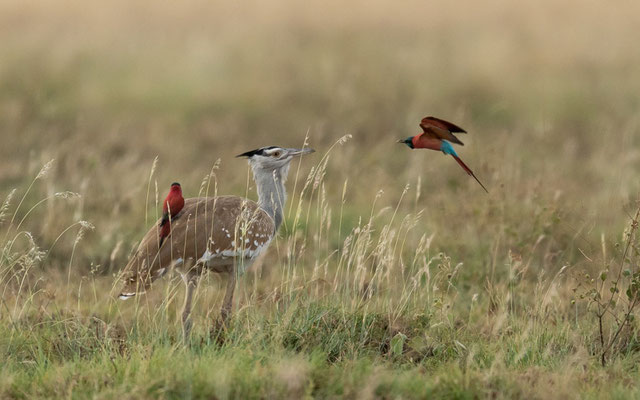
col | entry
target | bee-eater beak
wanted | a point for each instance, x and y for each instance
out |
(408, 141)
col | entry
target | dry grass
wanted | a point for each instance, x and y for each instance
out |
(394, 275)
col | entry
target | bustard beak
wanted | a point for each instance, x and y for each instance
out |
(400, 141)
(300, 152)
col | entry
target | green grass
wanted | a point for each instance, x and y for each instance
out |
(311, 349)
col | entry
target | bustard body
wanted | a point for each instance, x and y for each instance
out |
(224, 234)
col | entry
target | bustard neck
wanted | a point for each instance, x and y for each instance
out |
(272, 195)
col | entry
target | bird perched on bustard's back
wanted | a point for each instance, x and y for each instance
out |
(222, 234)
(171, 206)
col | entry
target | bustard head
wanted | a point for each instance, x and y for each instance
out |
(273, 158)
(270, 167)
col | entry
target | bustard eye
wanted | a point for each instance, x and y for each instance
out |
(276, 154)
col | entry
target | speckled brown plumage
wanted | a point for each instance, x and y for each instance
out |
(209, 232)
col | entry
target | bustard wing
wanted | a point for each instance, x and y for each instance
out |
(224, 229)
(441, 129)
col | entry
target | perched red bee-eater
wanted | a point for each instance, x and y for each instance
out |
(436, 135)
(170, 208)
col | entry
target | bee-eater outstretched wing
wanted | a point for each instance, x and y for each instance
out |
(442, 124)
(441, 129)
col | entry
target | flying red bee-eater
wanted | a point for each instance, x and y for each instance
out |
(170, 208)
(436, 135)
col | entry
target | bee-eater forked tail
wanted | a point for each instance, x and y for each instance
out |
(436, 135)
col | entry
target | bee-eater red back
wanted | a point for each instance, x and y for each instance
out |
(171, 206)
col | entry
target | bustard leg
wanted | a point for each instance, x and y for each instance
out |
(190, 279)
(219, 324)
(227, 303)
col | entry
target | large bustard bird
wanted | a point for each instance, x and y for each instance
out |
(222, 234)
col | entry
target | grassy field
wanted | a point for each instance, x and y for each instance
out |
(394, 275)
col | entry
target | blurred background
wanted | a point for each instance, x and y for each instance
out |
(549, 92)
